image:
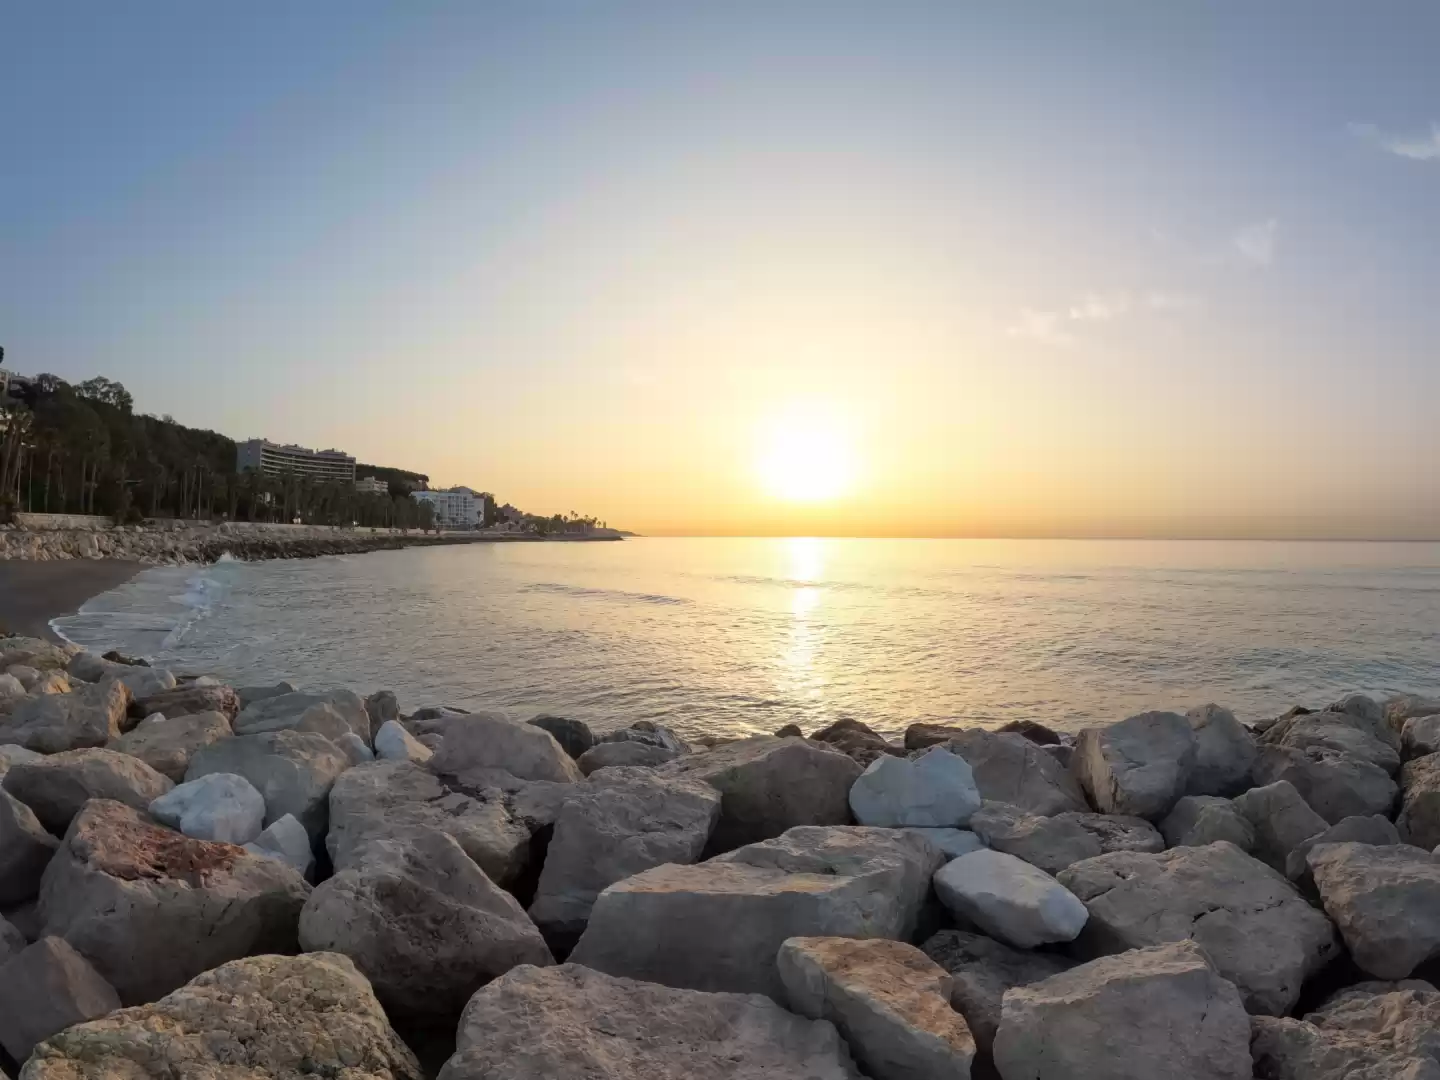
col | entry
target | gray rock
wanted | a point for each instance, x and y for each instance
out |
(1419, 819)
(25, 851)
(856, 740)
(49, 723)
(1399, 709)
(219, 806)
(1224, 753)
(935, 790)
(12, 690)
(184, 700)
(382, 707)
(769, 785)
(293, 770)
(394, 743)
(1198, 820)
(622, 823)
(480, 741)
(10, 754)
(1346, 733)
(1049, 843)
(56, 787)
(354, 747)
(838, 881)
(1352, 830)
(44, 990)
(646, 731)
(621, 754)
(151, 908)
(1009, 768)
(1161, 1011)
(981, 970)
(248, 695)
(1386, 902)
(27, 676)
(12, 941)
(571, 1023)
(1336, 784)
(1118, 832)
(1375, 1030)
(287, 841)
(330, 714)
(574, 736)
(34, 652)
(952, 843)
(1257, 929)
(1009, 899)
(1282, 820)
(167, 744)
(1139, 766)
(889, 1001)
(1420, 736)
(143, 682)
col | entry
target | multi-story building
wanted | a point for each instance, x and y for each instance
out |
(458, 508)
(12, 385)
(372, 485)
(275, 460)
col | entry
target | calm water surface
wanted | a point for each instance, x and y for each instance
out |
(745, 635)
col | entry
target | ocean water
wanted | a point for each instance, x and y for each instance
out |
(737, 636)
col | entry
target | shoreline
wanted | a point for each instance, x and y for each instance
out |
(33, 594)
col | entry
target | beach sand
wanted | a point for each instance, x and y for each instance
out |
(33, 593)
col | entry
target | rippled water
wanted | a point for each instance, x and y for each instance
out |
(745, 635)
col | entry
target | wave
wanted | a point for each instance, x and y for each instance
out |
(602, 594)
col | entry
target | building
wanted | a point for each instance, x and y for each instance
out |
(272, 459)
(458, 508)
(372, 485)
(13, 386)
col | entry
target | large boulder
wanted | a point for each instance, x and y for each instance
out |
(1009, 899)
(1375, 830)
(981, 970)
(188, 699)
(811, 882)
(1161, 1011)
(1117, 832)
(934, 790)
(649, 732)
(33, 652)
(25, 850)
(247, 695)
(277, 1017)
(1358, 734)
(167, 744)
(151, 908)
(571, 1023)
(610, 755)
(293, 770)
(50, 723)
(1198, 820)
(422, 922)
(394, 743)
(44, 990)
(952, 843)
(1419, 818)
(622, 823)
(1139, 766)
(890, 1002)
(220, 806)
(1419, 736)
(383, 707)
(12, 941)
(287, 841)
(1401, 708)
(1224, 753)
(1374, 1030)
(1051, 843)
(857, 740)
(484, 741)
(768, 785)
(1281, 820)
(1009, 768)
(1258, 930)
(56, 787)
(12, 691)
(331, 714)
(1386, 902)
(1335, 783)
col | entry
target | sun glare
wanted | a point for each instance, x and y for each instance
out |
(805, 456)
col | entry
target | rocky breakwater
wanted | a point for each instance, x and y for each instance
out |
(202, 880)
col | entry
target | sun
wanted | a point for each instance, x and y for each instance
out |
(805, 455)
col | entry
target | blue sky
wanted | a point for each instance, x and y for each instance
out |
(1064, 267)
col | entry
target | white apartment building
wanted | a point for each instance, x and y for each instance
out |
(458, 508)
(372, 485)
(275, 460)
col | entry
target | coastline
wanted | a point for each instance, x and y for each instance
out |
(34, 593)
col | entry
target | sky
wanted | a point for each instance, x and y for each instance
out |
(930, 269)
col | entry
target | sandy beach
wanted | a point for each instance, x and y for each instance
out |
(33, 593)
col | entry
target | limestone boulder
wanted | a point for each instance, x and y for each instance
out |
(1224, 753)
(1050, 843)
(184, 700)
(26, 675)
(277, 1017)
(145, 681)
(1118, 832)
(25, 850)
(1198, 820)
(812, 882)
(167, 744)
(10, 754)
(33, 652)
(1359, 736)
(219, 806)
(648, 732)
(952, 843)
(12, 690)
(12, 941)
(574, 736)
(1139, 766)
(1375, 1030)
(50, 723)
(287, 841)
(622, 823)
(57, 786)
(293, 770)
(622, 754)
(1420, 736)
(382, 707)
(1009, 899)
(769, 785)
(1281, 819)
(394, 743)
(1259, 932)
(330, 714)
(1335, 783)
(981, 970)
(1159, 1011)
(856, 740)
(889, 1001)
(1374, 830)
(572, 1023)
(151, 908)
(44, 990)
(936, 789)
(54, 682)
(247, 695)
(1401, 708)
(1419, 819)
(353, 747)
(1386, 902)
(1009, 768)
(481, 741)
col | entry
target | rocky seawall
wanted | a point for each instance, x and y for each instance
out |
(197, 879)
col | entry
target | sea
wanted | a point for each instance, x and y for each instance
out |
(741, 636)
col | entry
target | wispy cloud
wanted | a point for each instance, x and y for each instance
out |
(1096, 308)
(1422, 147)
(1256, 242)
(1057, 327)
(1045, 326)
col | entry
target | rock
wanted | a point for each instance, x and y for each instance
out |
(218, 806)
(10, 754)
(189, 699)
(166, 744)
(277, 1017)
(769, 785)
(382, 707)
(330, 714)
(1374, 1030)
(292, 770)
(1335, 784)
(1257, 929)
(1009, 768)
(1281, 820)
(248, 695)
(571, 1023)
(1117, 832)
(32, 652)
(1224, 753)
(1400, 709)
(1048, 843)
(1386, 902)
(87, 667)
(622, 823)
(287, 841)
(837, 881)
(790, 731)
(981, 970)
(646, 731)
(1155, 1012)
(611, 755)
(574, 736)
(151, 908)
(12, 690)
(923, 736)
(44, 990)
(1009, 899)
(1420, 736)
(53, 682)
(1374, 830)
(1345, 733)
(422, 922)
(856, 740)
(143, 682)
(1419, 819)
(1037, 733)
(490, 742)
(12, 941)
(50, 723)
(56, 787)
(935, 790)
(26, 675)
(25, 851)
(952, 843)
(1198, 820)
(377, 799)
(1139, 766)
(394, 743)
(889, 1001)
(354, 747)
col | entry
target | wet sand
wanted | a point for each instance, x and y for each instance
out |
(33, 593)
